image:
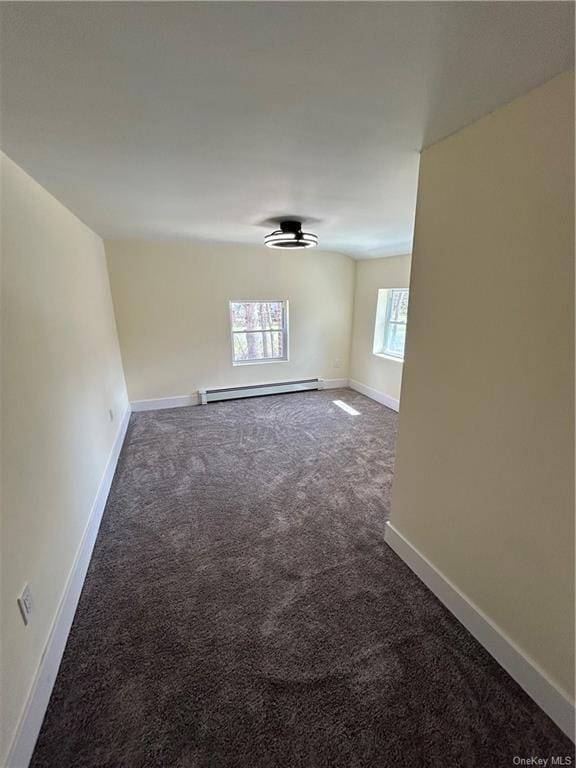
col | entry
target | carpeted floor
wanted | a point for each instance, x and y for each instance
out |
(242, 609)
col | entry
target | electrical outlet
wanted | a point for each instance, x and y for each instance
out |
(25, 604)
(337, 363)
(111, 414)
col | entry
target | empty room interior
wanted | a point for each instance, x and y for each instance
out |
(287, 384)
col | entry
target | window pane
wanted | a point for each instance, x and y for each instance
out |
(402, 309)
(395, 338)
(264, 345)
(256, 315)
(390, 325)
(394, 299)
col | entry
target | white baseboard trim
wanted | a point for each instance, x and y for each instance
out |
(30, 722)
(334, 383)
(180, 401)
(374, 394)
(521, 668)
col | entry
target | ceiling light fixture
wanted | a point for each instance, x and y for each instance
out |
(290, 235)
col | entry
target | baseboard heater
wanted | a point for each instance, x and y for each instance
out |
(257, 390)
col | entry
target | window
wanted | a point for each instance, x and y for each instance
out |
(259, 331)
(390, 329)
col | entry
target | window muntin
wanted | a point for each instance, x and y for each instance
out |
(391, 317)
(259, 331)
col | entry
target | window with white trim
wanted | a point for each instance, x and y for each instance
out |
(259, 331)
(390, 327)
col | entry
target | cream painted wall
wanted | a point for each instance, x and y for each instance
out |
(484, 483)
(61, 373)
(380, 373)
(171, 303)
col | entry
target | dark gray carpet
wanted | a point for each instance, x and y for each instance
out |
(242, 609)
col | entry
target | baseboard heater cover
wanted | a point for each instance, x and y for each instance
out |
(258, 390)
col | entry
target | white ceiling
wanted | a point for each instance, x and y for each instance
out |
(204, 120)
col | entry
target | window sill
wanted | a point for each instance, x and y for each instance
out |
(259, 362)
(388, 357)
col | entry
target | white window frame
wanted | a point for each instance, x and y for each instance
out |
(285, 332)
(383, 323)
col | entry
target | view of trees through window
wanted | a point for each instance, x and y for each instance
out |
(258, 330)
(396, 316)
(391, 317)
